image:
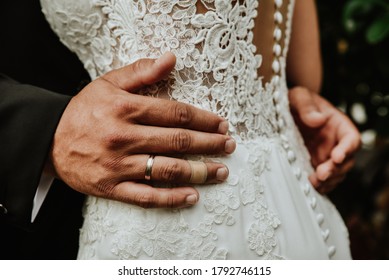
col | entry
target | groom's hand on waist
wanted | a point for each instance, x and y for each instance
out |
(104, 140)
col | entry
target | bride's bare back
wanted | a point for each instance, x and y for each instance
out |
(263, 33)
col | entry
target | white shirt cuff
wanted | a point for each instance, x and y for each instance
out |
(41, 193)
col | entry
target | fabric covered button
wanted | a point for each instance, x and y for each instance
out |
(297, 172)
(277, 50)
(278, 17)
(284, 138)
(3, 210)
(320, 218)
(276, 79)
(313, 202)
(307, 189)
(278, 3)
(277, 95)
(276, 66)
(291, 156)
(278, 109)
(325, 234)
(281, 123)
(277, 34)
(331, 251)
(285, 142)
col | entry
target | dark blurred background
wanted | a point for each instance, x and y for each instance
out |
(355, 47)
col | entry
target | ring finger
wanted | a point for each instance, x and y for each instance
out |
(174, 170)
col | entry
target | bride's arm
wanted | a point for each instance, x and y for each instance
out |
(304, 67)
(330, 136)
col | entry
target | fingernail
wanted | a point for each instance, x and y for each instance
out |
(326, 176)
(230, 146)
(223, 127)
(315, 114)
(163, 57)
(340, 158)
(222, 174)
(191, 199)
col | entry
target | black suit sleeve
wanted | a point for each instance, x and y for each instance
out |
(28, 118)
(33, 55)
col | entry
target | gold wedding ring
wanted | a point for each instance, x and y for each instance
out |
(149, 167)
(199, 172)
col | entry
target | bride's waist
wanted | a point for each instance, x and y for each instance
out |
(258, 147)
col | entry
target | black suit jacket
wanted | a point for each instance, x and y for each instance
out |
(47, 74)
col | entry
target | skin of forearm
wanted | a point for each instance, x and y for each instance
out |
(304, 64)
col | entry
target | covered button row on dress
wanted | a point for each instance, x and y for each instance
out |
(319, 218)
(291, 156)
(306, 188)
(276, 66)
(278, 19)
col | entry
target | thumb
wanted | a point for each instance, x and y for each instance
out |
(303, 104)
(142, 72)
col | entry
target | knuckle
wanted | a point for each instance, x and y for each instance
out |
(128, 109)
(170, 201)
(182, 114)
(122, 106)
(115, 140)
(145, 200)
(171, 172)
(138, 65)
(217, 144)
(104, 188)
(142, 69)
(111, 78)
(181, 141)
(112, 165)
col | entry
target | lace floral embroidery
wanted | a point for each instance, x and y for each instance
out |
(86, 35)
(216, 65)
(216, 70)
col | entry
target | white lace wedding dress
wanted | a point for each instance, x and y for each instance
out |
(267, 209)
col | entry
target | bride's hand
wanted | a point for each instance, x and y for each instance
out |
(330, 136)
(107, 133)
